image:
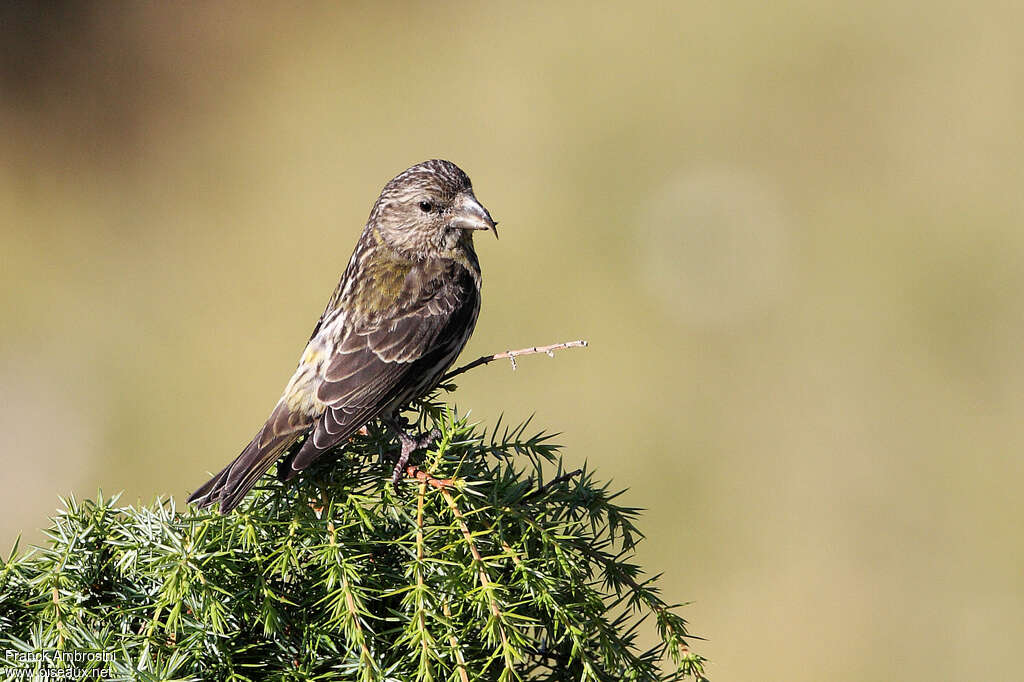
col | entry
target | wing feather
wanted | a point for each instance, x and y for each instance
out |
(372, 368)
(232, 483)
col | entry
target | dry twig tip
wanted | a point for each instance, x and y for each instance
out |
(513, 354)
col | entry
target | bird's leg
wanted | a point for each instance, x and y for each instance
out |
(410, 443)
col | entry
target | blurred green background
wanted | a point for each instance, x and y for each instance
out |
(791, 231)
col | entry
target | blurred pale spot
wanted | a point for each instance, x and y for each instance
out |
(49, 440)
(716, 247)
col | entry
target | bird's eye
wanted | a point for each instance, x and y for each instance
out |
(426, 206)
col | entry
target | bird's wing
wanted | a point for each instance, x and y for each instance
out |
(373, 366)
(331, 308)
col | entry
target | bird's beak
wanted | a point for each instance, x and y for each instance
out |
(469, 214)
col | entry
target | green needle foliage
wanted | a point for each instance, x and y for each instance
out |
(337, 575)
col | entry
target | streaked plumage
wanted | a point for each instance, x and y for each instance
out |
(402, 312)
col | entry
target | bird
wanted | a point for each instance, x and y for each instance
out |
(403, 310)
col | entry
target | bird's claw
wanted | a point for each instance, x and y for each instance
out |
(410, 444)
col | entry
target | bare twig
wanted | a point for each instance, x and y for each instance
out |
(513, 354)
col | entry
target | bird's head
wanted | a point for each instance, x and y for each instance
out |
(429, 210)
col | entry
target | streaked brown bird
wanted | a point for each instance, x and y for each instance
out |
(402, 312)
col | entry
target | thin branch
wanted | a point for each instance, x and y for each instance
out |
(456, 647)
(366, 658)
(413, 471)
(513, 354)
(420, 584)
(485, 581)
(551, 484)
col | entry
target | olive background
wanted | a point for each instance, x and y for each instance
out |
(792, 233)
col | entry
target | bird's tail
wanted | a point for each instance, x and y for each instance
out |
(236, 479)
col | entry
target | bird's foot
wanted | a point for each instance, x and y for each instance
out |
(410, 443)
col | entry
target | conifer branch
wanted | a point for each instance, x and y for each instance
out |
(413, 471)
(456, 647)
(485, 581)
(481, 570)
(552, 483)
